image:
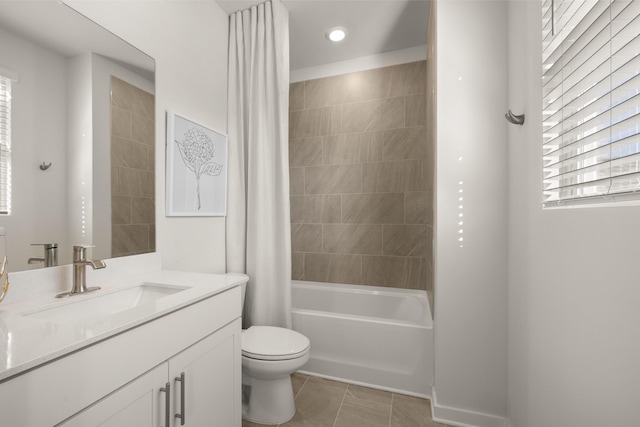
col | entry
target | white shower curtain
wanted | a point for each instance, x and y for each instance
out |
(258, 223)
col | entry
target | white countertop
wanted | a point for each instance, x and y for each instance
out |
(28, 342)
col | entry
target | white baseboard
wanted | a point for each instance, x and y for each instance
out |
(462, 417)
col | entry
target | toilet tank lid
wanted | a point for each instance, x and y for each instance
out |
(273, 341)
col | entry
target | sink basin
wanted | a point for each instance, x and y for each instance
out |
(105, 305)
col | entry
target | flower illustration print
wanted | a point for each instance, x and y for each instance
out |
(197, 151)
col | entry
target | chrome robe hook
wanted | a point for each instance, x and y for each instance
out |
(514, 118)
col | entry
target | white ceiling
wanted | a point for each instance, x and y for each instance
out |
(373, 27)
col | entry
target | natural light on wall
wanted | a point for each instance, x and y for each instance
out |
(5, 145)
(591, 100)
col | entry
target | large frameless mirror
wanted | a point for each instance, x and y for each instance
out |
(82, 138)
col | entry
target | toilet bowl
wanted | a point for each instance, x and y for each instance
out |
(269, 356)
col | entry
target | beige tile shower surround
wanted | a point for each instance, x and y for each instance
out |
(132, 170)
(361, 178)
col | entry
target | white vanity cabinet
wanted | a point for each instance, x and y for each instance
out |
(201, 388)
(118, 381)
(135, 404)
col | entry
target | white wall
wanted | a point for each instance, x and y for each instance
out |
(188, 40)
(471, 276)
(574, 279)
(39, 135)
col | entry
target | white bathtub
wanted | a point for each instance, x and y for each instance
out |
(366, 335)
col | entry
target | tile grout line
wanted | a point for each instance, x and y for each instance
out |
(341, 403)
(301, 387)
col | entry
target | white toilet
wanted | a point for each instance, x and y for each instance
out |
(269, 356)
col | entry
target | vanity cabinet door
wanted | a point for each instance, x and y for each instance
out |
(212, 372)
(137, 404)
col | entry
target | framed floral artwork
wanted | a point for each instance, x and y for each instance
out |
(196, 169)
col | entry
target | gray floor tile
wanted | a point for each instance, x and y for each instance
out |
(318, 403)
(356, 412)
(410, 411)
(369, 394)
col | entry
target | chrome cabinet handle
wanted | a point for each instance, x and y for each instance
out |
(182, 414)
(167, 402)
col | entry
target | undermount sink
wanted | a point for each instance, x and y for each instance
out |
(102, 306)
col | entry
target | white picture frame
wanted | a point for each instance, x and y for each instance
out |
(196, 169)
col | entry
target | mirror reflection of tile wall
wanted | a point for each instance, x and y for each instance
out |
(132, 169)
(362, 178)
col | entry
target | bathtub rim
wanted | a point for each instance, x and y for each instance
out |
(426, 321)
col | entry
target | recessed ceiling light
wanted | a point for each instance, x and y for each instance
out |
(336, 34)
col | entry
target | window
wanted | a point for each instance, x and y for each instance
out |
(5, 145)
(591, 100)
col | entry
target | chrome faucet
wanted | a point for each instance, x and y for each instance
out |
(50, 258)
(79, 272)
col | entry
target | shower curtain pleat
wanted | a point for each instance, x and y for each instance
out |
(258, 225)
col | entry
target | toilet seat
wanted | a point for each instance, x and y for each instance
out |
(273, 343)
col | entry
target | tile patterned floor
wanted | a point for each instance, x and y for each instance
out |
(326, 403)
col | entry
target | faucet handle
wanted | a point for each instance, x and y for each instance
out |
(77, 248)
(79, 252)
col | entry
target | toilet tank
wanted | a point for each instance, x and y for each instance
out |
(243, 290)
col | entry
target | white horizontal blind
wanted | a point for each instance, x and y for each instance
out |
(591, 98)
(5, 145)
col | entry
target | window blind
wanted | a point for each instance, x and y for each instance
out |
(591, 99)
(5, 145)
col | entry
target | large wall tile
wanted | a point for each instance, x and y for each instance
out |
(121, 123)
(406, 240)
(346, 148)
(131, 182)
(383, 208)
(306, 237)
(296, 96)
(376, 84)
(335, 90)
(121, 94)
(297, 265)
(120, 210)
(125, 152)
(315, 209)
(119, 185)
(305, 152)
(392, 177)
(407, 143)
(141, 183)
(397, 80)
(415, 110)
(352, 238)
(296, 180)
(316, 122)
(395, 272)
(129, 239)
(333, 268)
(418, 207)
(333, 179)
(143, 211)
(409, 78)
(143, 130)
(373, 115)
(374, 141)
